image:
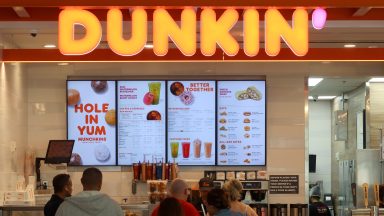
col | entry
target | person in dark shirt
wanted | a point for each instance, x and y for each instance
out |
(205, 185)
(316, 207)
(62, 186)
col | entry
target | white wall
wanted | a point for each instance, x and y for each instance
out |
(13, 125)
(320, 141)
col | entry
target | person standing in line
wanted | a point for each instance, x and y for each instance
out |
(90, 202)
(62, 186)
(233, 188)
(218, 204)
(179, 190)
(170, 207)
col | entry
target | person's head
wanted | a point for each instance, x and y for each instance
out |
(92, 179)
(216, 201)
(179, 189)
(205, 185)
(170, 207)
(314, 193)
(233, 188)
(62, 185)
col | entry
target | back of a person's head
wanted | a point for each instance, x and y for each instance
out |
(178, 188)
(233, 188)
(218, 198)
(170, 207)
(315, 192)
(92, 179)
(59, 182)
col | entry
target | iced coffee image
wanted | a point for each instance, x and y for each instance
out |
(197, 148)
(208, 149)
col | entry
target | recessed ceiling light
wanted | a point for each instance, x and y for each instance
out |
(314, 81)
(148, 46)
(349, 45)
(322, 97)
(63, 63)
(377, 79)
(49, 46)
(373, 46)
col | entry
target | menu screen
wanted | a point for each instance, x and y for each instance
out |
(92, 122)
(191, 122)
(142, 118)
(241, 122)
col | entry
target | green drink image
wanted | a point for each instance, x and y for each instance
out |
(174, 149)
(154, 88)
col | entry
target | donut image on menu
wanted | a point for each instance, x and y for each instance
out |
(73, 97)
(102, 153)
(75, 160)
(154, 115)
(186, 97)
(99, 86)
(176, 88)
(110, 117)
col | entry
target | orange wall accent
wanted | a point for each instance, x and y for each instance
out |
(177, 3)
(147, 55)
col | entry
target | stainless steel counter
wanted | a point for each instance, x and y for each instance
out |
(365, 211)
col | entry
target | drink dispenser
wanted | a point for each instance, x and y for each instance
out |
(255, 192)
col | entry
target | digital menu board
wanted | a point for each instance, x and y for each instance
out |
(142, 118)
(191, 122)
(92, 122)
(241, 123)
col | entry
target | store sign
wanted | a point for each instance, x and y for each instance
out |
(213, 31)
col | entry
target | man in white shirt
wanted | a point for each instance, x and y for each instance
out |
(90, 201)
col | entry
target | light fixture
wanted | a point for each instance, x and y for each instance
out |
(314, 81)
(148, 46)
(63, 63)
(377, 79)
(321, 97)
(372, 46)
(49, 46)
(349, 45)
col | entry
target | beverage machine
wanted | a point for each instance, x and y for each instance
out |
(255, 194)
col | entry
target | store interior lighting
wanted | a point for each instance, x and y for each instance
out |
(314, 81)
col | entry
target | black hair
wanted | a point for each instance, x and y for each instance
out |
(92, 177)
(218, 199)
(170, 207)
(59, 182)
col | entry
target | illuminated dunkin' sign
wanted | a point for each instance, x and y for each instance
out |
(213, 31)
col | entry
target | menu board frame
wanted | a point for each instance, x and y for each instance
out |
(215, 135)
(265, 121)
(166, 115)
(67, 119)
(166, 81)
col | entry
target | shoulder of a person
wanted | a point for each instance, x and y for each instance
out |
(189, 207)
